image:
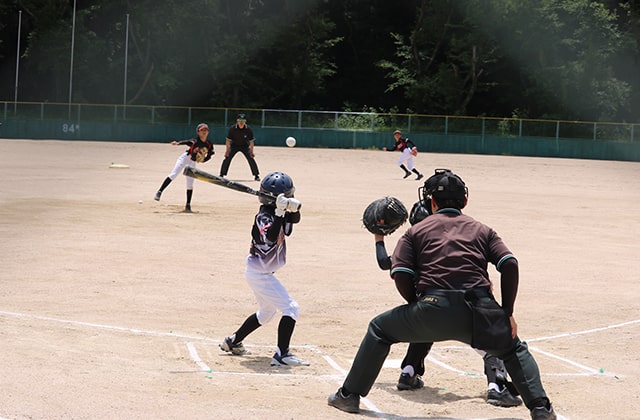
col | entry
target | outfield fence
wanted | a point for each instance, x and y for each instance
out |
(75, 114)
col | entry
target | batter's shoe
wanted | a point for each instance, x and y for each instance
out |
(350, 404)
(287, 360)
(407, 175)
(407, 382)
(236, 349)
(187, 208)
(157, 196)
(543, 412)
(502, 398)
(419, 177)
(257, 177)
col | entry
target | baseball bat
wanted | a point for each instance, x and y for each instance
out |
(218, 180)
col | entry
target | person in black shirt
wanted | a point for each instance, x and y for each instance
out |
(240, 138)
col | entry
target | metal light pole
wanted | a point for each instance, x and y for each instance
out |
(15, 96)
(73, 33)
(126, 55)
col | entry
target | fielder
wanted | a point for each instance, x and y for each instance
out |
(408, 150)
(200, 150)
(267, 254)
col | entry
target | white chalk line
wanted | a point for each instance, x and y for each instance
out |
(194, 356)
(204, 368)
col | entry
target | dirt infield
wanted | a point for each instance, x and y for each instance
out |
(111, 308)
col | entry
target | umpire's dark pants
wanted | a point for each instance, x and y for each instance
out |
(246, 151)
(440, 317)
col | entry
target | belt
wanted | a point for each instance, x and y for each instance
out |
(477, 292)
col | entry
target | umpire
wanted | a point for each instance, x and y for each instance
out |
(440, 268)
(240, 138)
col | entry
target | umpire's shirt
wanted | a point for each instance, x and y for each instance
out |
(240, 137)
(450, 250)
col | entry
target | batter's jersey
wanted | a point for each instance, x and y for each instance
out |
(449, 250)
(268, 250)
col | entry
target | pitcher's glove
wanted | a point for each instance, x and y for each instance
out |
(384, 216)
(200, 154)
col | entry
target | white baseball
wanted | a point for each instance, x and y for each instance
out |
(290, 141)
(139, 201)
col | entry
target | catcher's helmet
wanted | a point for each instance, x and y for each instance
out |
(420, 210)
(276, 183)
(447, 188)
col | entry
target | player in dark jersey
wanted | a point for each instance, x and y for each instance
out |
(268, 253)
(407, 149)
(499, 389)
(200, 150)
(240, 138)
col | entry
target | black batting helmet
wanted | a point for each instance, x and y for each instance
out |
(447, 188)
(276, 183)
(420, 210)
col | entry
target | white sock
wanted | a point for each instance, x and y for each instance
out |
(493, 385)
(409, 369)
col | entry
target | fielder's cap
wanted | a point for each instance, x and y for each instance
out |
(241, 117)
(397, 132)
(201, 126)
(445, 185)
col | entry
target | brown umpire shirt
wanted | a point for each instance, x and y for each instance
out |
(449, 250)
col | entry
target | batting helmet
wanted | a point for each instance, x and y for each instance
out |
(420, 210)
(276, 183)
(447, 188)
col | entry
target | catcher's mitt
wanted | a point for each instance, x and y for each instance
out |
(384, 215)
(414, 151)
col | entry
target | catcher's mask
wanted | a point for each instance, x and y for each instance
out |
(447, 188)
(420, 210)
(276, 183)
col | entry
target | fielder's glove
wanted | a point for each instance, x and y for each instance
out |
(384, 216)
(200, 154)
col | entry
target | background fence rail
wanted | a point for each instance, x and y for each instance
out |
(336, 120)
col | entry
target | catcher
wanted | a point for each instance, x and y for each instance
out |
(500, 392)
(200, 150)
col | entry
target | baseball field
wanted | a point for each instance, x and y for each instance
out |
(112, 305)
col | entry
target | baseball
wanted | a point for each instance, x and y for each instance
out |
(139, 201)
(290, 141)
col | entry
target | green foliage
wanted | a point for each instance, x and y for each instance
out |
(570, 59)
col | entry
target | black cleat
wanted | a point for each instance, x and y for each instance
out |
(543, 412)
(503, 398)
(407, 382)
(350, 404)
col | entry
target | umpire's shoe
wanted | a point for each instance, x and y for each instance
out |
(502, 398)
(543, 412)
(407, 382)
(350, 404)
